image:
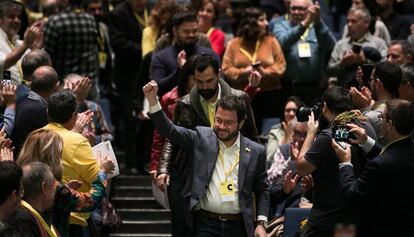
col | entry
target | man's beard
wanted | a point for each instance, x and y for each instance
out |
(207, 93)
(187, 46)
(228, 137)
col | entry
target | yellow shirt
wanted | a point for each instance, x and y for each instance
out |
(210, 108)
(212, 200)
(149, 39)
(78, 163)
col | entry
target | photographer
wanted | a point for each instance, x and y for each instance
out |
(316, 158)
(381, 191)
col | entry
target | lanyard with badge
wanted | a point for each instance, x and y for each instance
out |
(253, 57)
(304, 48)
(227, 188)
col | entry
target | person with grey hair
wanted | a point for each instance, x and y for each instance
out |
(400, 52)
(30, 62)
(358, 48)
(11, 48)
(39, 187)
(406, 89)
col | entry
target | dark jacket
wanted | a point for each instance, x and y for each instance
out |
(384, 191)
(125, 35)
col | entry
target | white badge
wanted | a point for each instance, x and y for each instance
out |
(304, 50)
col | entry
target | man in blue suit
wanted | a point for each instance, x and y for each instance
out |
(228, 169)
(384, 191)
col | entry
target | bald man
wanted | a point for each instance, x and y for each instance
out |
(31, 112)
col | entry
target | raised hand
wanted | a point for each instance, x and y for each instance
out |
(306, 183)
(290, 181)
(181, 58)
(361, 99)
(360, 134)
(8, 92)
(82, 121)
(150, 91)
(313, 124)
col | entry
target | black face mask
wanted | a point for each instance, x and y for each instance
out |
(207, 93)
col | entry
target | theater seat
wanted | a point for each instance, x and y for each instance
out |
(293, 218)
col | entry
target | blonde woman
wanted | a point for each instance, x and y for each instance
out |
(46, 146)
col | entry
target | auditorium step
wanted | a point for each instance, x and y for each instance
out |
(141, 215)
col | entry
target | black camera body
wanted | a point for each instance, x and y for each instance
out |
(303, 113)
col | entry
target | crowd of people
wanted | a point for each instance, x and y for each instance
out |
(185, 91)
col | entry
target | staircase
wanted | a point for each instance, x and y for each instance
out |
(141, 214)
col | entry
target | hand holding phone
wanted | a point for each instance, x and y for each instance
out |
(356, 47)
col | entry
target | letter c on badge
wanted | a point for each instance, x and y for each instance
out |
(230, 187)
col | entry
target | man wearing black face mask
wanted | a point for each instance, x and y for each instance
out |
(166, 64)
(197, 109)
(94, 7)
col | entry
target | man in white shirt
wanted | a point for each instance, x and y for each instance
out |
(227, 170)
(11, 48)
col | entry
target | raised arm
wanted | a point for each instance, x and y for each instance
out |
(181, 136)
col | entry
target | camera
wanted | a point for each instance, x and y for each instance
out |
(303, 113)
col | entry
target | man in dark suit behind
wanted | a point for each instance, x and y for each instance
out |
(227, 170)
(384, 191)
(125, 25)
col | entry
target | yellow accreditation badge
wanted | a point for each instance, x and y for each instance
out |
(102, 60)
(227, 191)
(304, 50)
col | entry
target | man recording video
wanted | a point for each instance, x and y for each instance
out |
(316, 158)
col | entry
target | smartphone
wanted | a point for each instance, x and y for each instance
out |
(367, 71)
(356, 47)
(256, 64)
(342, 133)
(6, 75)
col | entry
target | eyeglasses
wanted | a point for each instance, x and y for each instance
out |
(298, 8)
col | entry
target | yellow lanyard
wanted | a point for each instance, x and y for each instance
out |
(211, 113)
(49, 229)
(18, 64)
(248, 55)
(305, 34)
(210, 31)
(142, 22)
(101, 41)
(232, 167)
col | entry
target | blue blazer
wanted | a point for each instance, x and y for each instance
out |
(203, 147)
